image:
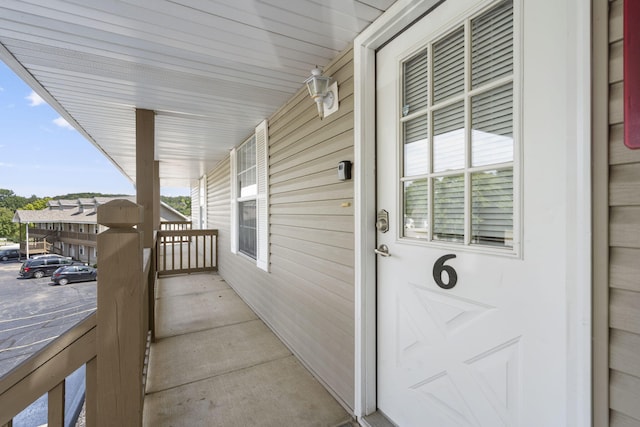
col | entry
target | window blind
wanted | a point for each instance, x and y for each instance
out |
(416, 146)
(416, 208)
(492, 208)
(492, 44)
(448, 138)
(448, 66)
(492, 127)
(247, 228)
(448, 208)
(469, 138)
(247, 169)
(416, 87)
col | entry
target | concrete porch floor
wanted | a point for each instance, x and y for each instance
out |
(215, 363)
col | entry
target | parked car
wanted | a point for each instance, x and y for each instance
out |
(40, 267)
(48, 256)
(7, 254)
(74, 273)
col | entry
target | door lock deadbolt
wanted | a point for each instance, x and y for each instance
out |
(382, 222)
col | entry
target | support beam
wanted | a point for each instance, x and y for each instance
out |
(156, 196)
(146, 176)
(120, 329)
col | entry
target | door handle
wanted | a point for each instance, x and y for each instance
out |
(382, 250)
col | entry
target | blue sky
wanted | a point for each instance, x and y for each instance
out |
(40, 151)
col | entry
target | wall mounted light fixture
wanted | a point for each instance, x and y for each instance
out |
(323, 92)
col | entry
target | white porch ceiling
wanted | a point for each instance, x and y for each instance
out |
(211, 69)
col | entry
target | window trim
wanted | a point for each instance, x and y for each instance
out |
(261, 197)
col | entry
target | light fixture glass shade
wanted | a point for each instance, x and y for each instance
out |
(317, 84)
(318, 87)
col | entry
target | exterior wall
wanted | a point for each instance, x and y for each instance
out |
(624, 245)
(308, 296)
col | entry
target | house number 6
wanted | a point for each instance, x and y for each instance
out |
(439, 267)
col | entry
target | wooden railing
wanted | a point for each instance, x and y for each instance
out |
(35, 247)
(113, 342)
(186, 251)
(46, 371)
(76, 235)
(149, 274)
(175, 225)
(56, 235)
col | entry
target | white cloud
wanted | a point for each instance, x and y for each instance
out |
(6, 165)
(35, 99)
(62, 123)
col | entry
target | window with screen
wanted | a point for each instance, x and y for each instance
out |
(457, 121)
(247, 192)
(250, 197)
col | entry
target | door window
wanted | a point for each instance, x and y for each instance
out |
(457, 118)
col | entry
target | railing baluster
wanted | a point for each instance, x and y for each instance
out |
(91, 393)
(173, 252)
(181, 257)
(164, 253)
(211, 252)
(204, 251)
(56, 405)
(9, 424)
(197, 251)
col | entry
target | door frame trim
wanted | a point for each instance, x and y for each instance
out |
(600, 210)
(399, 16)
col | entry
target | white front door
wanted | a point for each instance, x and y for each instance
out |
(472, 156)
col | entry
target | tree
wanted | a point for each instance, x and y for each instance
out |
(180, 203)
(8, 228)
(37, 205)
(9, 203)
(9, 200)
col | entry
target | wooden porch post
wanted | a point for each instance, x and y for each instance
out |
(120, 331)
(145, 171)
(156, 195)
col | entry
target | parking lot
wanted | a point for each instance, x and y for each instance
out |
(33, 312)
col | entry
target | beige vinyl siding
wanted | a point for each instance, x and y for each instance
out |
(308, 296)
(624, 242)
(218, 200)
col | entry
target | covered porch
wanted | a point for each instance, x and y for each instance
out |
(216, 363)
(174, 86)
(210, 95)
(170, 348)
